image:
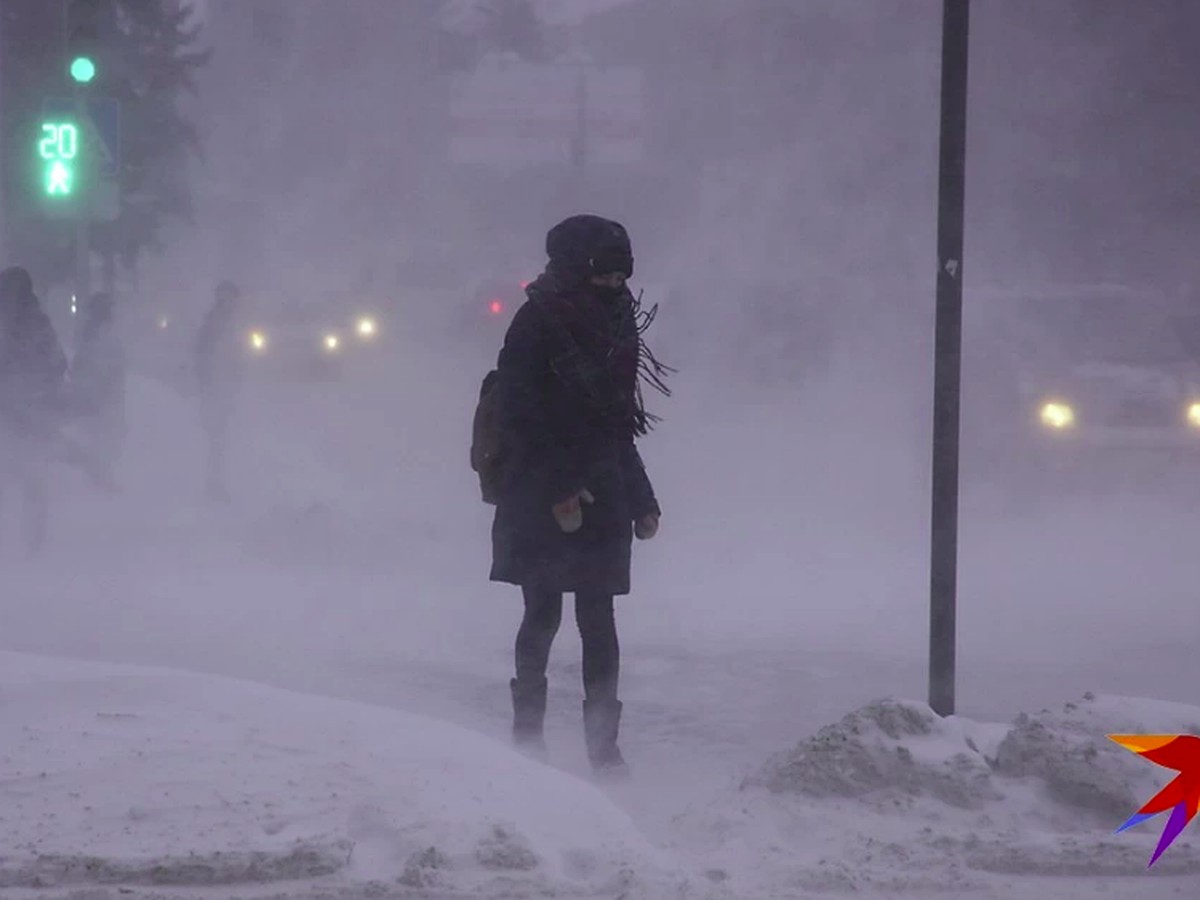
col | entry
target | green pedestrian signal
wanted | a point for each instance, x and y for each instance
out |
(74, 161)
(58, 180)
(58, 150)
(83, 69)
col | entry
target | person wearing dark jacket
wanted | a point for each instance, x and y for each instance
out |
(219, 367)
(32, 369)
(574, 491)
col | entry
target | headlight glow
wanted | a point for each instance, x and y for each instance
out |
(332, 342)
(164, 323)
(1057, 415)
(1193, 414)
(258, 341)
(367, 328)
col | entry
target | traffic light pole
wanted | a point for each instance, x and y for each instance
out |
(81, 37)
(948, 357)
(83, 253)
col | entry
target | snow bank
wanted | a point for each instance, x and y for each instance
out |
(1069, 753)
(129, 776)
(885, 749)
(897, 799)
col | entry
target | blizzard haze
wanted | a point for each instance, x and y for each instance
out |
(780, 193)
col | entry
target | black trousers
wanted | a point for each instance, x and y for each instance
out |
(597, 629)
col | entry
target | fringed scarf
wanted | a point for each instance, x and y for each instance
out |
(600, 349)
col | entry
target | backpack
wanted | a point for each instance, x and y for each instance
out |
(486, 449)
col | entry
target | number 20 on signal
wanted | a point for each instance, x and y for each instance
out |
(59, 141)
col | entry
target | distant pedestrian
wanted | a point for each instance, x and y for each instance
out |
(220, 360)
(32, 370)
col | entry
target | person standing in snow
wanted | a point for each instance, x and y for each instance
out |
(97, 382)
(220, 366)
(573, 490)
(32, 370)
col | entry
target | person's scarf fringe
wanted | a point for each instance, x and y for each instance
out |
(592, 375)
(650, 370)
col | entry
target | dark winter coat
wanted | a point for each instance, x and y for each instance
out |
(559, 440)
(32, 362)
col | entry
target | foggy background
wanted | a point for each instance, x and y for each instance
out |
(782, 146)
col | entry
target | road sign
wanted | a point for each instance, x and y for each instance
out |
(79, 151)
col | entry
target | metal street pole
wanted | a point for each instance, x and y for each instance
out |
(5, 143)
(83, 253)
(947, 374)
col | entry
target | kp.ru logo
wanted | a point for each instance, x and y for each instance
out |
(1180, 752)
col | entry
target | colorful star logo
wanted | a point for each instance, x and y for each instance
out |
(1180, 752)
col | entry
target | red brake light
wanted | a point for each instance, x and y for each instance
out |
(496, 307)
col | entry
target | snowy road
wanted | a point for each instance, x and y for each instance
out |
(787, 587)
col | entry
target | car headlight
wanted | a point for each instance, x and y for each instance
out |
(331, 343)
(1193, 414)
(366, 327)
(1057, 415)
(258, 341)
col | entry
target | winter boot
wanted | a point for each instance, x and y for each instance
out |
(529, 714)
(601, 723)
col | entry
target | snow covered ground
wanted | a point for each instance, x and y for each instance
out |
(786, 590)
(896, 801)
(161, 783)
(143, 777)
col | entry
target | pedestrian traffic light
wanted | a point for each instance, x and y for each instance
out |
(83, 69)
(83, 37)
(58, 151)
(73, 163)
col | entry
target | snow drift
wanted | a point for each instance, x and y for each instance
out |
(894, 798)
(130, 776)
